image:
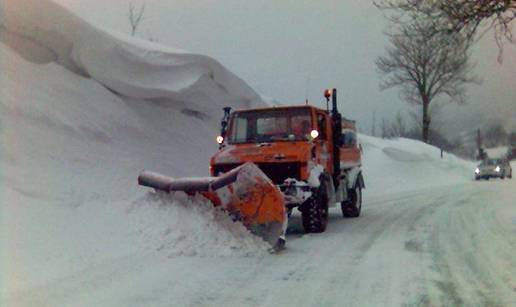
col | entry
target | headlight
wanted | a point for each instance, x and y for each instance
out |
(220, 139)
(314, 134)
(497, 169)
(477, 171)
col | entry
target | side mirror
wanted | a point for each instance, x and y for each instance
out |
(224, 127)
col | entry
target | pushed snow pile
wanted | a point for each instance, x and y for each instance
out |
(43, 31)
(181, 225)
(394, 165)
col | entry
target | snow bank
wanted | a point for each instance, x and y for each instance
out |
(70, 152)
(398, 165)
(82, 112)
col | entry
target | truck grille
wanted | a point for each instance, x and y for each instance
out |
(277, 172)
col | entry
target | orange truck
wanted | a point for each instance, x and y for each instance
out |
(272, 160)
(311, 154)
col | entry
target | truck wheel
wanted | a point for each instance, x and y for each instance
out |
(353, 205)
(315, 210)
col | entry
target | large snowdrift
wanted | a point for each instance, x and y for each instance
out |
(128, 66)
(82, 112)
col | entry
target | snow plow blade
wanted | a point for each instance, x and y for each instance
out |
(245, 192)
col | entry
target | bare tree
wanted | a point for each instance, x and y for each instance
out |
(462, 15)
(384, 129)
(135, 17)
(495, 135)
(398, 126)
(373, 125)
(512, 139)
(426, 65)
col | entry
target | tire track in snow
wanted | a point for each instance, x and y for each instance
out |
(459, 252)
(321, 270)
(390, 237)
(387, 257)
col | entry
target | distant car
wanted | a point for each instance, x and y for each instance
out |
(489, 168)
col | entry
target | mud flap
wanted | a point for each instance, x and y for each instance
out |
(245, 192)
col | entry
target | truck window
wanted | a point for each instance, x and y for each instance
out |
(270, 125)
(349, 138)
(301, 126)
(240, 130)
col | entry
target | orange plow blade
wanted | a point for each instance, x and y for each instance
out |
(245, 192)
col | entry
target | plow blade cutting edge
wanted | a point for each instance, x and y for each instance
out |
(245, 192)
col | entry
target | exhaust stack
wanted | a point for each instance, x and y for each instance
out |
(337, 133)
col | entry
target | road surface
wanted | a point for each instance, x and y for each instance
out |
(451, 246)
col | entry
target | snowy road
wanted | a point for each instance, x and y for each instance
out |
(450, 246)
(76, 229)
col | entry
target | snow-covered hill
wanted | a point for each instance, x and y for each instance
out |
(83, 111)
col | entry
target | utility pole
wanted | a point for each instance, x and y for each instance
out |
(373, 126)
(481, 153)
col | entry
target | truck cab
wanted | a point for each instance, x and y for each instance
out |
(310, 153)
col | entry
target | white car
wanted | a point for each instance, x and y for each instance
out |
(489, 168)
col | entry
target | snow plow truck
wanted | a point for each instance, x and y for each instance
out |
(272, 160)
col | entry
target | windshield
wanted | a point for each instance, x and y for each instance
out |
(489, 162)
(270, 126)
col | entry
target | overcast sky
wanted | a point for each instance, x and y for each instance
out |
(292, 49)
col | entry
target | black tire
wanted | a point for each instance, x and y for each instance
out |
(353, 205)
(314, 212)
(477, 178)
(510, 175)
